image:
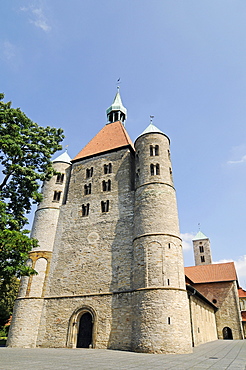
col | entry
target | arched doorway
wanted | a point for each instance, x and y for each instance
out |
(227, 333)
(84, 338)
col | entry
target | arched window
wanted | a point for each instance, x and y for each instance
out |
(106, 185)
(89, 172)
(107, 168)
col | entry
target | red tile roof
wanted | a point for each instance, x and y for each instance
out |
(243, 315)
(211, 273)
(112, 136)
(242, 293)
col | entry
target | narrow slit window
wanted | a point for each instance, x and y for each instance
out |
(169, 320)
(152, 170)
(168, 282)
(57, 196)
(201, 249)
(157, 166)
(151, 152)
(202, 259)
(156, 149)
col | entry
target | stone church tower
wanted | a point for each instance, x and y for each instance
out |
(202, 250)
(109, 261)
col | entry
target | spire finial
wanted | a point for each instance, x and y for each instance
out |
(151, 119)
(118, 84)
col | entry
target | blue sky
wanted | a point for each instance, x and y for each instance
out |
(182, 61)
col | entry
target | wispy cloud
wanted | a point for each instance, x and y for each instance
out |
(9, 50)
(10, 54)
(37, 17)
(242, 160)
(187, 240)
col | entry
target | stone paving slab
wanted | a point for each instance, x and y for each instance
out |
(218, 355)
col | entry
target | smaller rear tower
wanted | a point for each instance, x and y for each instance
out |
(202, 251)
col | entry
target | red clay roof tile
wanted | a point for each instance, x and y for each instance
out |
(211, 273)
(112, 136)
(242, 293)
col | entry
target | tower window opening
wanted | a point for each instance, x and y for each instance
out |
(153, 150)
(105, 206)
(168, 282)
(201, 249)
(107, 168)
(85, 209)
(169, 320)
(156, 150)
(59, 178)
(202, 259)
(87, 189)
(169, 245)
(155, 169)
(168, 153)
(89, 172)
(57, 196)
(106, 185)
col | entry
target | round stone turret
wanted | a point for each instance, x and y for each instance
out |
(161, 304)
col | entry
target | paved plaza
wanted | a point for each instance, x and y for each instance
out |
(214, 355)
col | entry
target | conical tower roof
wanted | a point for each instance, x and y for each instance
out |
(64, 157)
(112, 136)
(200, 236)
(151, 129)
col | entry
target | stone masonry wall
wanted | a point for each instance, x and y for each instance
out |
(203, 321)
(225, 297)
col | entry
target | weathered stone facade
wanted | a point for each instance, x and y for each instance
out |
(109, 251)
(109, 260)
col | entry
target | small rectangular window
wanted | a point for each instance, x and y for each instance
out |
(151, 150)
(85, 209)
(106, 185)
(89, 172)
(169, 320)
(107, 168)
(87, 189)
(201, 249)
(202, 259)
(105, 206)
(60, 178)
(57, 196)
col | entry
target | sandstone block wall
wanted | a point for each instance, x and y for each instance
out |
(203, 321)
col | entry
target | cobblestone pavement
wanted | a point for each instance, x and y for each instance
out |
(214, 355)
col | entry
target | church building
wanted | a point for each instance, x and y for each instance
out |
(109, 260)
